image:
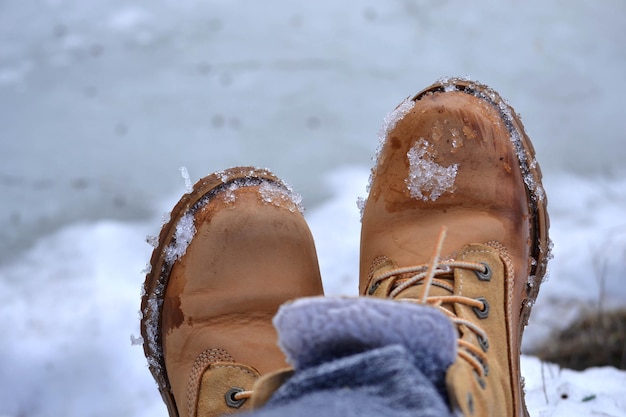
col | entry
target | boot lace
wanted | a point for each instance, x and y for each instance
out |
(438, 273)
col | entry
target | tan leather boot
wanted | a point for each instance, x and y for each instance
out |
(235, 249)
(456, 156)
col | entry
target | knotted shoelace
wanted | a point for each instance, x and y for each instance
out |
(440, 273)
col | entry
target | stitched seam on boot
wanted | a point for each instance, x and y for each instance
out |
(463, 258)
(200, 365)
(503, 254)
(474, 251)
(517, 397)
(240, 367)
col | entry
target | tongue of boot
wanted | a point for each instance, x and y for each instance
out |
(442, 285)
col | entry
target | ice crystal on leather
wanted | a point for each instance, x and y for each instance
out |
(185, 174)
(391, 120)
(389, 123)
(280, 195)
(185, 230)
(428, 180)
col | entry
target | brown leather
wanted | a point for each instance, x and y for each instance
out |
(494, 393)
(250, 253)
(489, 191)
(216, 383)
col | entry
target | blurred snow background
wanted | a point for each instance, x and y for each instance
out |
(101, 102)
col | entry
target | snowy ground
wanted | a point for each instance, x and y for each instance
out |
(71, 304)
(102, 102)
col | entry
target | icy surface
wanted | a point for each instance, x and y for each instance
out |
(150, 87)
(153, 86)
(426, 179)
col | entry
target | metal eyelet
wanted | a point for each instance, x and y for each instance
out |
(484, 312)
(484, 276)
(481, 381)
(470, 402)
(230, 397)
(373, 288)
(484, 343)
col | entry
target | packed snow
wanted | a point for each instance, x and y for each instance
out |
(101, 102)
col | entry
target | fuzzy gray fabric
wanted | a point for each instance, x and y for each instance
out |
(318, 329)
(363, 357)
(378, 383)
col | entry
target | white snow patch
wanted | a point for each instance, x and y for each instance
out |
(280, 195)
(428, 180)
(391, 120)
(336, 228)
(360, 203)
(389, 123)
(185, 231)
(588, 228)
(228, 194)
(152, 327)
(69, 304)
(152, 240)
(552, 391)
(277, 193)
(450, 83)
(136, 340)
(222, 175)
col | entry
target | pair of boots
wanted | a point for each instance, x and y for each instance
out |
(455, 218)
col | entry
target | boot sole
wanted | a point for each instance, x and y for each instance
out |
(156, 281)
(540, 250)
